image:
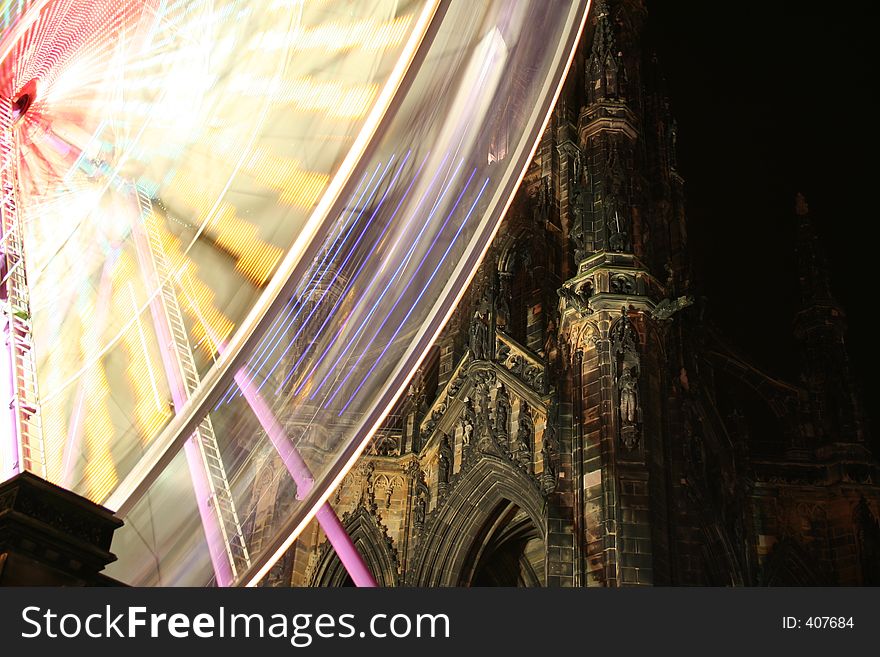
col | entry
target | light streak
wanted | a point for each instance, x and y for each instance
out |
(152, 104)
(318, 279)
(401, 296)
(309, 283)
(418, 298)
(280, 358)
(351, 283)
(426, 222)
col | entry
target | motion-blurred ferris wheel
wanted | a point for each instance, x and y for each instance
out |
(230, 230)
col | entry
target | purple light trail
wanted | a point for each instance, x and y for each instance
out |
(351, 370)
(421, 294)
(351, 252)
(352, 340)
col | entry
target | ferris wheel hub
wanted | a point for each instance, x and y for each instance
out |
(23, 101)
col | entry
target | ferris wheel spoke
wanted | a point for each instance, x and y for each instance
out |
(179, 166)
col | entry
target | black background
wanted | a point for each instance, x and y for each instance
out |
(773, 98)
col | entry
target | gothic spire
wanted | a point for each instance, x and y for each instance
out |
(606, 76)
(812, 262)
(820, 327)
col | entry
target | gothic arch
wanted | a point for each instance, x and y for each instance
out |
(509, 551)
(789, 564)
(721, 567)
(507, 253)
(460, 530)
(374, 546)
(517, 285)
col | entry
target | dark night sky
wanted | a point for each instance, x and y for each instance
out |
(772, 98)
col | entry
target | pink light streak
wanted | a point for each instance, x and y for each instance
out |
(201, 486)
(329, 521)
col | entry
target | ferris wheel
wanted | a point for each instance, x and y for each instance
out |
(230, 231)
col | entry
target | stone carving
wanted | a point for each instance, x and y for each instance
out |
(502, 412)
(388, 485)
(577, 165)
(412, 469)
(548, 476)
(543, 202)
(438, 409)
(314, 558)
(468, 423)
(368, 486)
(578, 297)
(416, 393)
(421, 494)
(522, 363)
(578, 202)
(629, 402)
(444, 464)
(628, 362)
(485, 434)
(502, 307)
(479, 337)
(420, 510)
(622, 284)
(668, 307)
(549, 450)
(522, 450)
(384, 443)
(614, 206)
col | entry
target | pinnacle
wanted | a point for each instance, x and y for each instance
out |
(801, 207)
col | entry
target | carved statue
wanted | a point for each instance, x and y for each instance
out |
(416, 392)
(484, 432)
(618, 229)
(421, 507)
(628, 363)
(544, 201)
(523, 445)
(502, 411)
(502, 308)
(578, 204)
(479, 336)
(577, 167)
(629, 396)
(444, 461)
(468, 422)
(548, 476)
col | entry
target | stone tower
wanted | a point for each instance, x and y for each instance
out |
(579, 422)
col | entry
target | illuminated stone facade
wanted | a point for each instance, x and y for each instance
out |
(579, 423)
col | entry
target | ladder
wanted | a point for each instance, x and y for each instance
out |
(24, 405)
(205, 438)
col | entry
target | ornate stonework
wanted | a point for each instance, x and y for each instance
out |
(580, 423)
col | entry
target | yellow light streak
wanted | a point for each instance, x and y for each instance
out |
(255, 259)
(336, 36)
(331, 98)
(100, 471)
(199, 302)
(151, 411)
(295, 186)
